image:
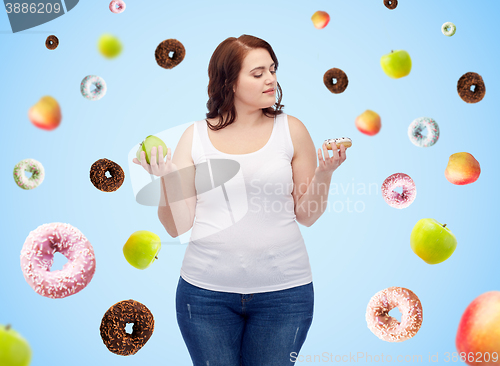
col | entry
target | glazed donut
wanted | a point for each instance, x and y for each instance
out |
(391, 4)
(385, 326)
(162, 53)
(448, 29)
(464, 84)
(113, 323)
(346, 141)
(98, 175)
(52, 42)
(37, 257)
(341, 80)
(396, 199)
(30, 166)
(117, 6)
(99, 91)
(415, 132)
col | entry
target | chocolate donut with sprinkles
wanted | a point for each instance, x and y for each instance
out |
(99, 179)
(113, 323)
(170, 53)
(385, 326)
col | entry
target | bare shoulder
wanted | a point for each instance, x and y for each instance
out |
(182, 155)
(300, 136)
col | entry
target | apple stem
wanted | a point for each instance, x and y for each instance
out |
(392, 51)
(444, 225)
(7, 327)
(156, 257)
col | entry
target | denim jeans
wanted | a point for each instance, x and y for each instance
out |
(231, 329)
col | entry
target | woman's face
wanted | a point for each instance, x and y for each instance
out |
(257, 76)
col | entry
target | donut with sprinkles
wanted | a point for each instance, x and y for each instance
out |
(386, 327)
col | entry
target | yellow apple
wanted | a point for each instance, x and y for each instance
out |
(46, 113)
(368, 123)
(462, 169)
(320, 19)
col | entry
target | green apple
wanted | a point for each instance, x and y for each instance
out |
(146, 146)
(109, 46)
(432, 242)
(141, 249)
(396, 64)
(14, 349)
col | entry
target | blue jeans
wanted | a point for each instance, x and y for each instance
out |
(230, 329)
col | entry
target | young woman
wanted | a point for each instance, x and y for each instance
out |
(245, 295)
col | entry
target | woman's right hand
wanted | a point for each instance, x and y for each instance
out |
(159, 168)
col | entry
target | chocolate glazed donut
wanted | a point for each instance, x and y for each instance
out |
(112, 329)
(52, 42)
(341, 80)
(391, 4)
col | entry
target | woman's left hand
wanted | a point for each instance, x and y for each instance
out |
(328, 165)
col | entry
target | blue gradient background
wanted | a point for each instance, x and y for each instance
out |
(353, 254)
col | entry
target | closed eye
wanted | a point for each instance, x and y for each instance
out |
(258, 76)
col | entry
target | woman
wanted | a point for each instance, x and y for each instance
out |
(245, 295)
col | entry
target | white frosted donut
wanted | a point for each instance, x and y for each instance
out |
(448, 29)
(396, 199)
(385, 326)
(30, 166)
(117, 6)
(37, 257)
(346, 141)
(98, 92)
(415, 132)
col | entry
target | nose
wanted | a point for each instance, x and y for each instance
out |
(270, 78)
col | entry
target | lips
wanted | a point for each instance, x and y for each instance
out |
(269, 90)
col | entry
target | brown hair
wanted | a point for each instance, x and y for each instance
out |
(223, 70)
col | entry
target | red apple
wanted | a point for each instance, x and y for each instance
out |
(462, 169)
(46, 113)
(320, 19)
(478, 332)
(368, 123)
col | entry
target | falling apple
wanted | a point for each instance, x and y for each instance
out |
(478, 334)
(462, 169)
(320, 19)
(14, 349)
(141, 249)
(432, 241)
(146, 146)
(396, 64)
(46, 113)
(109, 46)
(368, 123)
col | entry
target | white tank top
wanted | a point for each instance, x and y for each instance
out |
(245, 238)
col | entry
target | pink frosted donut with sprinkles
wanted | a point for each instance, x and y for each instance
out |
(117, 6)
(37, 257)
(385, 326)
(415, 132)
(396, 199)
